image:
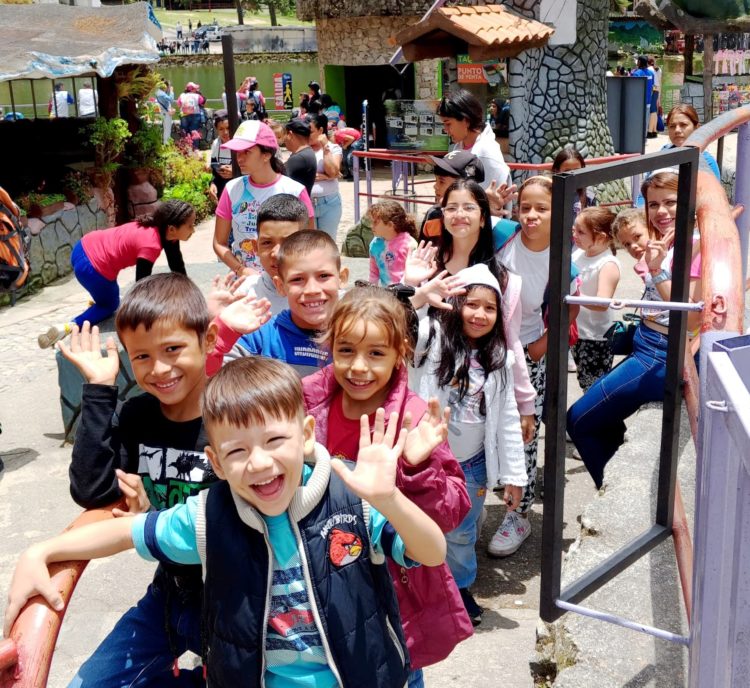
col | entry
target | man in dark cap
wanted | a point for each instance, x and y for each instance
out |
(302, 164)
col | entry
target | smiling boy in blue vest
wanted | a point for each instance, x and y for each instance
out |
(292, 543)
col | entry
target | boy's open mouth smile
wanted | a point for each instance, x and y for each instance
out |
(269, 489)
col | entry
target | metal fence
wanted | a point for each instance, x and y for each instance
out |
(720, 634)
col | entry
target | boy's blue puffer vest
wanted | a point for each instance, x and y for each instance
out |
(356, 602)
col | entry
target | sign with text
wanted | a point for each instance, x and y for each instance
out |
(282, 91)
(493, 72)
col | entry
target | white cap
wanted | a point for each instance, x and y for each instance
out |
(479, 274)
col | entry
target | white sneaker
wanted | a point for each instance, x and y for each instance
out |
(572, 368)
(53, 335)
(509, 536)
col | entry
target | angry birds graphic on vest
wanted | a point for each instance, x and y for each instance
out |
(343, 547)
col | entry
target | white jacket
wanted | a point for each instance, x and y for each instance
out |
(503, 445)
(487, 149)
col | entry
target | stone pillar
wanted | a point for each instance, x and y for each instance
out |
(558, 94)
(425, 79)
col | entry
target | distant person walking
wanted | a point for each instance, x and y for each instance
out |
(644, 72)
(165, 98)
(88, 100)
(59, 102)
(190, 103)
(178, 30)
(655, 102)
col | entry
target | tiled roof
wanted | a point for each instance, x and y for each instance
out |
(484, 32)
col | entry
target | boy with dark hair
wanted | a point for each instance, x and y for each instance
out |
(278, 217)
(151, 453)
(309, 276)
(292, 543)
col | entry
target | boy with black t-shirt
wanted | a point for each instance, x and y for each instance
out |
(151, 452)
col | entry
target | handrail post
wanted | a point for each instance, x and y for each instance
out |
(742, 191)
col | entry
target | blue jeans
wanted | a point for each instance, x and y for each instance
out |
(328, 214)
(461, 556)
(596, 421)
(106, 293)
(416, 679)
(137, 651)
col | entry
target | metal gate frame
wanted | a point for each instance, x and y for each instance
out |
(564, 192)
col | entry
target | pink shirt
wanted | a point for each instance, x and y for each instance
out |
(111, 250)
(388, 258)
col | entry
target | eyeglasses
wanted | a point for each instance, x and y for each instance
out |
(467, 208)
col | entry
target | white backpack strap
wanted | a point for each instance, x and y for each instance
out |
(200, 529)
(375, 557)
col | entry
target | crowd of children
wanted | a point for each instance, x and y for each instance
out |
(317, 457)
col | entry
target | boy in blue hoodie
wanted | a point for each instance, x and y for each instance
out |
(310, 276)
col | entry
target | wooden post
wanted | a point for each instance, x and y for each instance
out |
(230, 88)
(689, 50)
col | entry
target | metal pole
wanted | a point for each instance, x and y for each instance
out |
(33, 96)
(355, 175)
(742, 191)
(230, 88)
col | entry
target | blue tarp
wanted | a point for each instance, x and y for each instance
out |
(55, 41)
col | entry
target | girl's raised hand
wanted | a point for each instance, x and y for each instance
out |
(431, 431)
(246, 315)
(656, 251)
(85, 353)
(500, 196)
(374, 474)
(435, 291)
(420, 264)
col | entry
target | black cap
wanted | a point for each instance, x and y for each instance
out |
(314, 85)
(298, 126)
(459, 163)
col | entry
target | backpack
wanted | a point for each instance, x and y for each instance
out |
(260, 105)
(14, 245)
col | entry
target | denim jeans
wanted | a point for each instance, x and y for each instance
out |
(328, 214)
(462, 557)
(137, 652)
(416, 679)
(596, 421)
(106, 293)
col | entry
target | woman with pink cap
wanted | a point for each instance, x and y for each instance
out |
(190, 103)
(235, 232)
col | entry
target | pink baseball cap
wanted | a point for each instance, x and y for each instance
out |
(252, 133)
(192, 86)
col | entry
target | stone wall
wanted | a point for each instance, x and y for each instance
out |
(425, 79)
(359, 41)
(54, 236)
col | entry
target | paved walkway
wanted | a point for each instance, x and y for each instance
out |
(35, 503)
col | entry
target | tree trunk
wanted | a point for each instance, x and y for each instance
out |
(689, 50)
(240, 17)
(708, 74)
(272, 13)
(558, 94)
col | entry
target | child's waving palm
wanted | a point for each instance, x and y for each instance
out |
(85, 353)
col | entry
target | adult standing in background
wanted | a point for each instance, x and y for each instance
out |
(302, 165)
(59, 102)
(643, 71)
(190, 103)
(463, 117)
(325, 194)
(88, 100)
(165, 98)
(655, 98)
(178, 30)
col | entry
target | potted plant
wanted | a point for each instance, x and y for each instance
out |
(76, 187)
(108, 136)
(40, 204)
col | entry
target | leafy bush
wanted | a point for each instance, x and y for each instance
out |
(194, 192)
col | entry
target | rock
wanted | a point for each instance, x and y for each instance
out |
(62, 259)
(49, 272)
(86, 219)
(69, 218)
(36, 254)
